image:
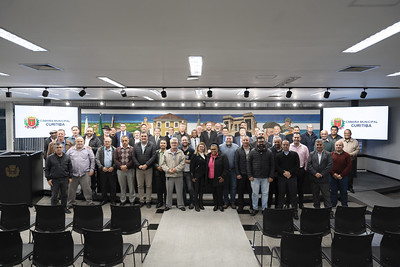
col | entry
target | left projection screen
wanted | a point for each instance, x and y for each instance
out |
(38, 121)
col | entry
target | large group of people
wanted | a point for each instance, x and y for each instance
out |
(207, 160)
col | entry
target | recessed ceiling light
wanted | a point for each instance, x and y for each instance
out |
(294, 104)
(163, 104)
(196, 65)
(278, 104)
(108, 80)
(198, 104)
(216, 104)
(377, 37)
(133, 104)
(394, 74)
(67, 103)
(154, 91)
(254, 104)
(4, 74)
(320, 105)
(183, 104)
(238, 104)
(148, 98)
(19, 41)
(192, 78)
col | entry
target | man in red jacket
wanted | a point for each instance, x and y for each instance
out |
(339, 174)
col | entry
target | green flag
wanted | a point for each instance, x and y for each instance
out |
(100, 126)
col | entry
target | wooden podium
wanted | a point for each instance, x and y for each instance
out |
(21, 177)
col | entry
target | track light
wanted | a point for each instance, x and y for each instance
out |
(163, 93)
(246, 93)
(123, 93)
(82, 92)
(289, 93)
(327, 93)
(363, 93)
(8, 93)
(209, 92)
(45, 93)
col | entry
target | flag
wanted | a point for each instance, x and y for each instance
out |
(86, 124)
(112, 121)
(100, 126)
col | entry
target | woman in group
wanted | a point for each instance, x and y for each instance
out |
(217, 171)
(198, 168)
(194, 139)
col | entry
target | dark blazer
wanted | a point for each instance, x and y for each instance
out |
(221, 168)
(94, 143)
(247, 133)
(113, 140)
(100, 157)
(241, 161)
(323, 168)
(118, 136)
(290, 163)
(148, 157)
(152, 139)
(220, 139)
(208, 141)
(198, 167)
(271, 138)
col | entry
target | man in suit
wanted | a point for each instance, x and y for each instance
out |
(277, 133)
(208, 136)
(182, 132)
(319, 165)
(289, 137)
(121, 133)
(156, 138)
(308, 138)
(218, 128)
(243, 124)
(221, 138)
(238, 139)
(106, 133)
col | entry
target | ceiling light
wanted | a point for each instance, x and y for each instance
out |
(4, 74)
(154, 91)
(163, 93)
(67, 103)
(238, 104)
(363, 94)
(327, 93)
(133, 104)
(241, 92)
(82, 92)
(45, 93)
(377, 37)
(216, 104)
(163, 104)
(108, 80)
(196, 65)
(289, 93)
(278, 104)
(198, 104)
(246, 93)
(192, 78)
(148, 98)
(254, 104)
(123, 93)
(294, 104)
(209, 93)
(19, 41)
(199, 92)
(320, 105)
(8, 93)
(183, 104)
(394, 74)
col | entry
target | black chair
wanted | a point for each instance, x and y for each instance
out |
(313, 221)
(275, 222)
(350, 220)
(16, 217)
(349, 250)
(129, 220)
(105, 248)
(54, 249)
(12, 250)
(384, 219)
(388, 253)
(88, 217)
(51, 218)
(300, 250)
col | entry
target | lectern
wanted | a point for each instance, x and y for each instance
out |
(21, 177)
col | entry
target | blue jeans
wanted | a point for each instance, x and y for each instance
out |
(340, 185)
(255, 186)
(230, 187)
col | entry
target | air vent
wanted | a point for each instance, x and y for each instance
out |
(41, 67)
(358, 68)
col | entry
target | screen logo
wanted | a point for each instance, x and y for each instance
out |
(31, 122)
(338, 122)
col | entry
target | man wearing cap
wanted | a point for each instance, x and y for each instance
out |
(50, 139)
(107, 133)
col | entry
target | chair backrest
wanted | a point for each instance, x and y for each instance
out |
(302, 250)
(352, 250)
(53, 248)
(10, 248)
(15, 216)
(126, 218)
(390, 249)
(88, 217)
(49, 218)
(277, 221)
(350, 220)
(385, 219)
(314, 221)
(103, 248)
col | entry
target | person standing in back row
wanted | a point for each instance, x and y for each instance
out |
(352, 147)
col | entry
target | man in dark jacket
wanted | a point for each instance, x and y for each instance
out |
(243, 183)
(107, 171)
(260, 167)
(58, 172)
(159, 174)
(143, 157)
(308, 138)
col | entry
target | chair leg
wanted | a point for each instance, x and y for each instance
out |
(141, 247)
(133, 255)
(262, 248)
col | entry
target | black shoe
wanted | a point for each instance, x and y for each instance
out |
(141, 204)
(167, 209)
(182, 208)
(240, 209)
(123, 203)
(233, 205)
(221, 208)
(215, 208)
(148, 205)
(254, 213)
(159, 205)
(226, 205)
(332, 216)
(351, 189)
(197, 208)
(191, 206)
(296, 215)
(67, 211)
(201, 206)
(301, 206)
